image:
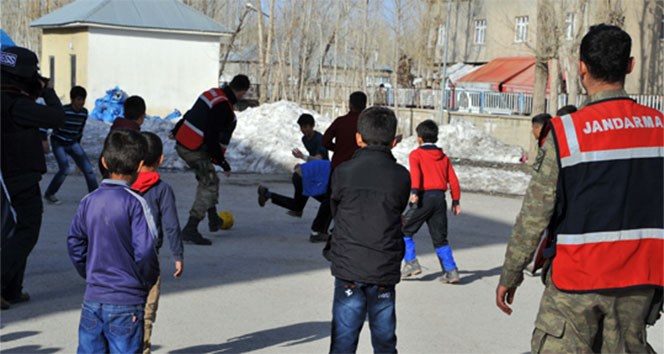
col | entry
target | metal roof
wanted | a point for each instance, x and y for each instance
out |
(250, 54)
(496, 72)
(170, 15)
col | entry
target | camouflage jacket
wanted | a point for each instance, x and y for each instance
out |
(538, 206)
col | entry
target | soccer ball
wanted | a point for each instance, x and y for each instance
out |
(227, 219)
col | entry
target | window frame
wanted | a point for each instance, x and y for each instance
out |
(479, 37)
(521, 29)
(72, 68)
(570, 25)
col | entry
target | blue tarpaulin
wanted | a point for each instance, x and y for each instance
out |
(6, 40)
(110, 106)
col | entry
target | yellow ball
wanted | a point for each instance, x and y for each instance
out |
(227, 219)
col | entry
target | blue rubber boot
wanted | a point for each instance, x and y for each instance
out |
(410, 249)
(446, 258)
(450, 272)
(411, 266)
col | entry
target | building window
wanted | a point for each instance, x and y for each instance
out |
(570, 25)
(51, 69)
(441, 35)
(480, 30)
(72, 61)
(521, 29)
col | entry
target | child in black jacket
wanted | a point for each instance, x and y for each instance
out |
(369, 192)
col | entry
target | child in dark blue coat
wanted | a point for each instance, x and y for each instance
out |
(161, 199)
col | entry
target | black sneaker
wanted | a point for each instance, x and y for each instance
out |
(4, 305)
(21, 298)
(51, 199)
(318, 237)
(262, 195)
(295, 214)
(194, 237)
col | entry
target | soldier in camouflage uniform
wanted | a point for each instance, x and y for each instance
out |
(583, 322)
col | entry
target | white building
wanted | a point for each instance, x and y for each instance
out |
(161, 50)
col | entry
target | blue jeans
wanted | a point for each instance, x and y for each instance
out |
(352, 302)
(75, 150)
(110, 328)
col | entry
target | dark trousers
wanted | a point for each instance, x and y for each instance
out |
(353, 301)
(323, 218)
(432, 209)
(26, 199)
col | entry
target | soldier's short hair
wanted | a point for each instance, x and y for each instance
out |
(605, 50)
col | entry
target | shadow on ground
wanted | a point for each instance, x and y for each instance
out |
(264, 243)
(287, 336)
(466, 276)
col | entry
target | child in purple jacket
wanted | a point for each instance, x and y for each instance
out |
(112, 245)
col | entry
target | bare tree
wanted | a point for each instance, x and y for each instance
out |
(546, 47)
(230, 47)
(397, 47)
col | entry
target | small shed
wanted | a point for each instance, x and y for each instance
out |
(161, 50)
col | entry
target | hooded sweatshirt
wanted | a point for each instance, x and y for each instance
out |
(431, 170)
(161, 199)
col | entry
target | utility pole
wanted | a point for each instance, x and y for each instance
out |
(443, 104)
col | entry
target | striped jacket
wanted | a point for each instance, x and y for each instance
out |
(72, 130)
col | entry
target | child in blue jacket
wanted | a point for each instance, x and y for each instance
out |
(111, 243)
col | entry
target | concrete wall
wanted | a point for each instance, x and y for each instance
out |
(61, 44)
(168, 70)
(513, 130)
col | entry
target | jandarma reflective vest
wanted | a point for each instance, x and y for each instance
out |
(191, 133)
(610, 202)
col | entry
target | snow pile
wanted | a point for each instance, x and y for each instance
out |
(262, 141)
(491, 180)
(461, 139)
(265, 136)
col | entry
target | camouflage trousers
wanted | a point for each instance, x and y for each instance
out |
(207, 191)
(610, 322)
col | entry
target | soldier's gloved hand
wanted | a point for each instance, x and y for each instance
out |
(222, 163)
(225, 166)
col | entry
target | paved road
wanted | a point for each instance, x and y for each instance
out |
(263, 288)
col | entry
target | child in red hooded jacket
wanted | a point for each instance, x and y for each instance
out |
(431, 172)
(161, 199)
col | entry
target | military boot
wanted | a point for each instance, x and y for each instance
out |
(214, 222)
(190, 233)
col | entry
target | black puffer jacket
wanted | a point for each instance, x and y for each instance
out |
(369, 192)
(21, 143)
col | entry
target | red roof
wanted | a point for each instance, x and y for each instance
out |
(496, 72)
(522, 82)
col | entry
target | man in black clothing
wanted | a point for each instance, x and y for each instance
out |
(312, 141)
(202, 138)
(23, 161)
